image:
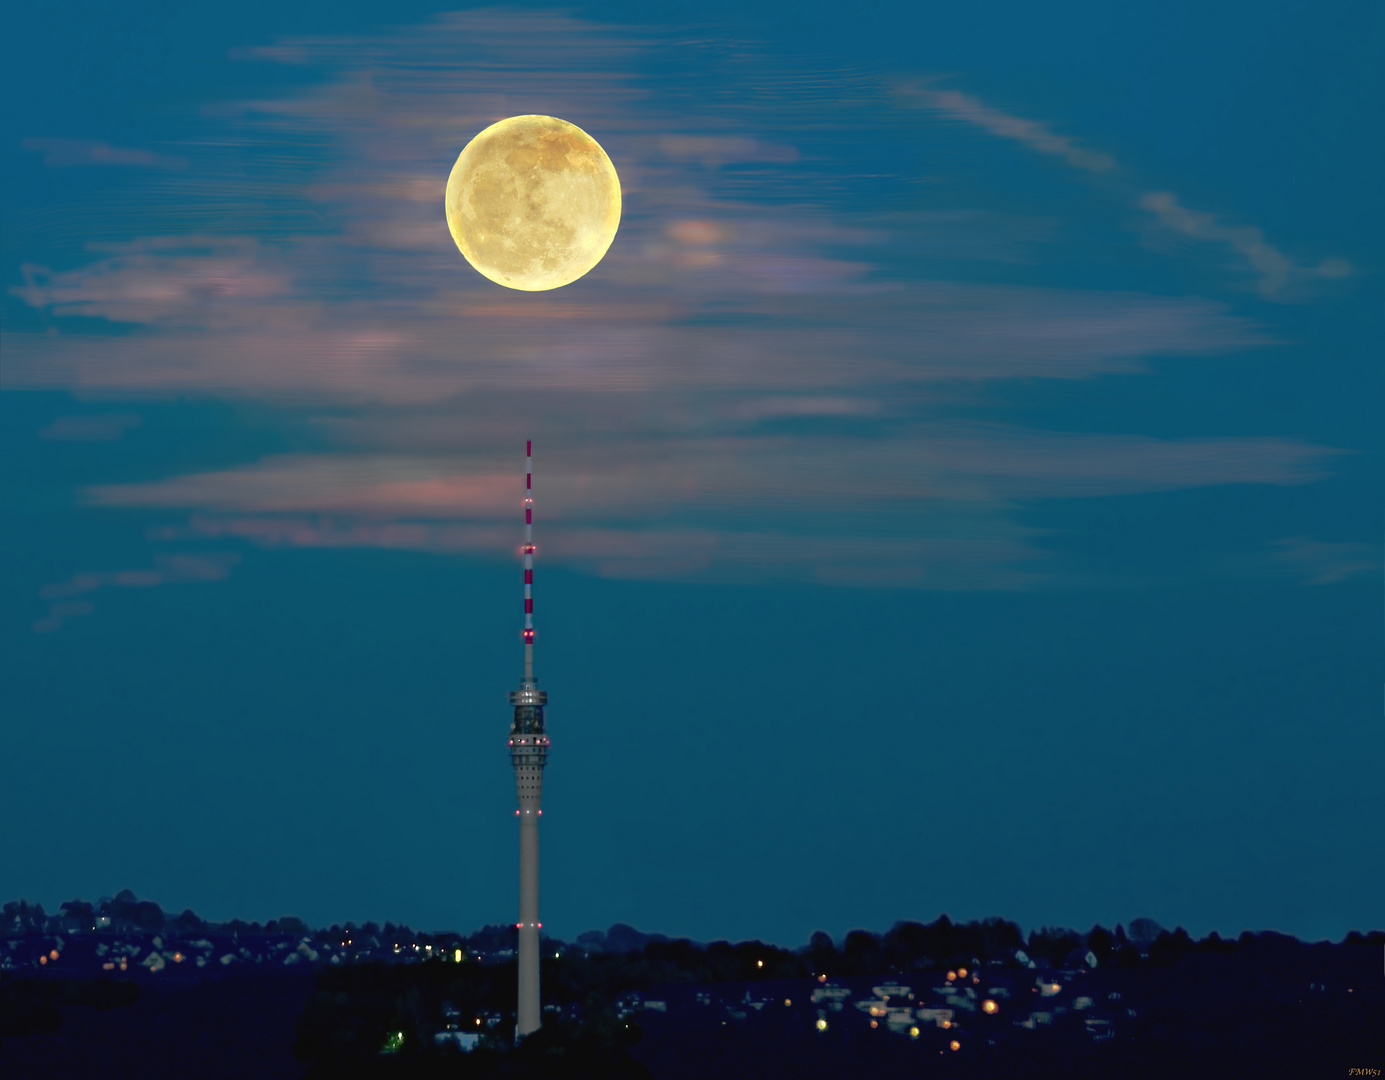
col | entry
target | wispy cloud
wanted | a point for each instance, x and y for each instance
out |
(1317, 562)
(982, 559)
(1275, 269)
(61, 153)
(965, 463)
(89, 427)
(761, 325)
(1276, 272)
(1029, 132)
(169, 569)
(206, 283)
(936, 501)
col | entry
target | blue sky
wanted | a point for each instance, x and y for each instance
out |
(957, 489)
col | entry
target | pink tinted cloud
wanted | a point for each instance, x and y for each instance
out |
(940, 497)
(204, 283)
(370, 486)
(496, 346)
(231, 315)
(660, 379)
(784, 405)
(700, 554)
(90, 427)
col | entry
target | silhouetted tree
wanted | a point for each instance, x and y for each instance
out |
(293, 926)
(1143, 932)
(1052, 943)
(1214, 943)
(861, 953)
(78, 915)
(904, 947)
(999, 938)
(821, 953)
(1100, 943)
(128, 912)
(25, 917)
(722, 962)
(1168, 947)
(492, 939)
(940, 939)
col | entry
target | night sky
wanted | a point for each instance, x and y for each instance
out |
(957, 490)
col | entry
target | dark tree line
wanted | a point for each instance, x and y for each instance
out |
(126, 913)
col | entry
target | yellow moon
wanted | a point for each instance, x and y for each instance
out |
(533, 202)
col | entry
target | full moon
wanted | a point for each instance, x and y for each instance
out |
(533, 202)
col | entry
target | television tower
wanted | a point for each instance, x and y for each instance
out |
(528, 754)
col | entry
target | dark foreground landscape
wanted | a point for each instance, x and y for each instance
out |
(119, 989)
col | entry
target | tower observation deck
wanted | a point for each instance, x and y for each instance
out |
(528, 755)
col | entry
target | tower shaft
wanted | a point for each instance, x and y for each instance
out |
(528, 755)
(529, 1015)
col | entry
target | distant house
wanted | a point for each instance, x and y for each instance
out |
(899, 1019)
(890, 990)
(938, 1016)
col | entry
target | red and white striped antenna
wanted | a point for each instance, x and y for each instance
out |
(528, 550)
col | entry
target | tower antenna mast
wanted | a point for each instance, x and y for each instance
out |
(528, 754)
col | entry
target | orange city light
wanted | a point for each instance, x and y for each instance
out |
(989, 1006)
(955, 1045)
